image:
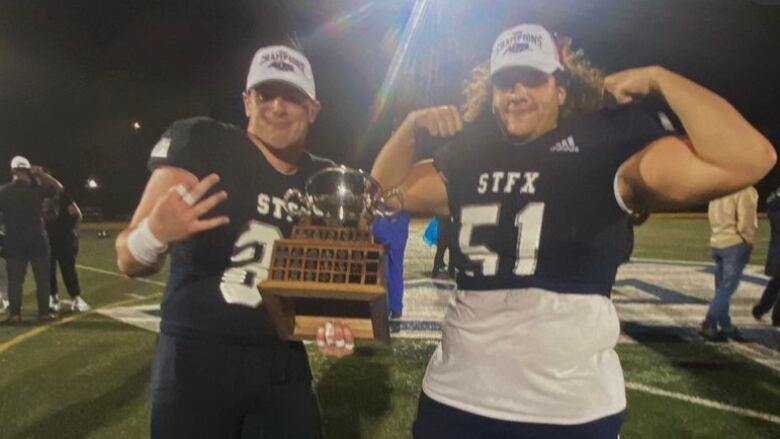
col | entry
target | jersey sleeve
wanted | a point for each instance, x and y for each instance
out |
(185, 145)
(640, 124)
(445, 160)
(456, 154)
(615, 135)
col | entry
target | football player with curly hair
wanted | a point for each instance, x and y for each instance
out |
(540, 180)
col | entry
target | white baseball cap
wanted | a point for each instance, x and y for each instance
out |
(20, 162)
(282, 64)
(526, 45)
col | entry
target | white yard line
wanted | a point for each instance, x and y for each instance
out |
(650, 311)
(705, 402)
(690, 263)
(114, 273)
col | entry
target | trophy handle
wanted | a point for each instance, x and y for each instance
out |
(383, 210)
(295, 203)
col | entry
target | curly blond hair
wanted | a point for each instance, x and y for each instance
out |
(584, 84)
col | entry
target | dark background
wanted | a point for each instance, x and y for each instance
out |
(75, 75)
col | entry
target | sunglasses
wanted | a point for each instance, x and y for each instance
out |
(506, 79)
(271, 91)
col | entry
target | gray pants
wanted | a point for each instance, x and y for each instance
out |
(17, 270)
(3, 281)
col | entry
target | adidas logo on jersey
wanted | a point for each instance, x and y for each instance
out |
(565, 145)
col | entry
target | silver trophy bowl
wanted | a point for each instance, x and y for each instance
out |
(341, 196)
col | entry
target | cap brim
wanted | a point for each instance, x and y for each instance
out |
(548, 69)
(285, 82)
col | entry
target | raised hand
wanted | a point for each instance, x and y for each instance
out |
(441, 121)
(631, 83)
(176, 215)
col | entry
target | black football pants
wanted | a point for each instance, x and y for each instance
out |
(210, 390)
(17, 270)
(438, 421)
(64, 254)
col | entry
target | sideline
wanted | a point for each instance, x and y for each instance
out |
(704, 402)
(40, 329)
(114, 273)
(768, 417)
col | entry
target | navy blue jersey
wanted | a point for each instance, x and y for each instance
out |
(542, 214)
(232, 258)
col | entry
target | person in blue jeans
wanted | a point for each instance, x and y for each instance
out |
(733, 222)
(770, 298)
(392, 232)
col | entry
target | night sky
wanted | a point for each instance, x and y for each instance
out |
(75, 75)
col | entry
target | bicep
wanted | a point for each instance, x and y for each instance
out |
(425, 190)
(669, 173)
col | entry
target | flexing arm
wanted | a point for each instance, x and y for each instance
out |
(169, 217)
(45, 179)
(723, 152)
(423, 187)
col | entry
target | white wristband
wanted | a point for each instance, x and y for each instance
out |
(144, 246)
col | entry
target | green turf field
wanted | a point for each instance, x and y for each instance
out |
(87, 375)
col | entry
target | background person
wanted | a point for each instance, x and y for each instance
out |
(21, 202)
(4, 304)
(393, 232)
(770, 298)
(733, 225)
(444, 243)
(63, 218)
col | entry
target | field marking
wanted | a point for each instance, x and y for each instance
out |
(690, 263)
(34, 332)
(114, 273)
(419, 282)
(704, 402)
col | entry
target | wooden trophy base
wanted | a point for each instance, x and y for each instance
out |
(327, 273)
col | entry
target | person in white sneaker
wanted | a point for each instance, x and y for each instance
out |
(63, 218)
(4, 303)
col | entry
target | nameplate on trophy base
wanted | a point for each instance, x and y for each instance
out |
(327, 273)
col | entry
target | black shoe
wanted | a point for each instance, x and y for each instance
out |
(757, 312)
(47, 318)
(711, 333)
(732, 333)
(12, 319)
(395, 315)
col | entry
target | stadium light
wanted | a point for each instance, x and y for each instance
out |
(136, 126)
(92, 184)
